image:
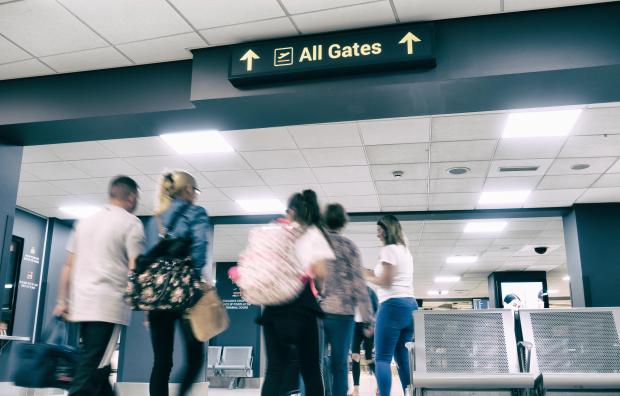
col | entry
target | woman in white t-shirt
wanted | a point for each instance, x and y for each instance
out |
(295, 324)
(393, 276)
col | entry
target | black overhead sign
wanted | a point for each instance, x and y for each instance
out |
(399, 46)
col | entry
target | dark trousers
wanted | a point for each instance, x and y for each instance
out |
(338, 330)
(162, 324)
(282, 332)
(358, 339)
(90, 380)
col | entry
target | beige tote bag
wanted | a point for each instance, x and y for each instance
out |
(208, 317)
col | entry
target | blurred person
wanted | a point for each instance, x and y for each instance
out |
(541, 299)
(343, 292)
(393, 276)
(177, 197)
(102, 248)
(512, 301)
(296, 323)
(365, 339)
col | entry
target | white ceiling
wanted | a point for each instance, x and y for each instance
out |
(40, 37)
(431, 242)
(350, 163)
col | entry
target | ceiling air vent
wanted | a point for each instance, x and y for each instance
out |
(518, 168)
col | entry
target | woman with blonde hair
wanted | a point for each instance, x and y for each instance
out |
(177, 210)
(393, 276)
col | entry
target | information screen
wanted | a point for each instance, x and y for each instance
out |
(517, 295)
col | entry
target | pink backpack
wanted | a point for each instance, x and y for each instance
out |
(268, 270)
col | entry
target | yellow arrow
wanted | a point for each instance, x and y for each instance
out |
(409, 38)
(249, 58)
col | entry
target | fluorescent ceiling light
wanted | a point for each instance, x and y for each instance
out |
(79, 212)
(197, 142)
(461, 259)
(566, 278)
(485, 226)
(8, 285)
(447, 279)
(540, 123)
(262, 205)
(503, 197)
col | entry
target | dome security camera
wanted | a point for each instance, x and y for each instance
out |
(540, 249)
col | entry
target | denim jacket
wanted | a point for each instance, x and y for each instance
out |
(194, 222)
(344, 288)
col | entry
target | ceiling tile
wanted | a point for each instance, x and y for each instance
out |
(615, 168)
(338, 174)
(274, 177)
(598, 121)
(522, 148)
(234, 178)
(122, 21)
(472, 150)
(105, 167)
(359, 188)
(163, 49)
(54, 171)
(456, 185)
(27, 68)
(596, 195)
(455, 206)
(25, 176)
(555, 195)
(220, 208)
(212, 194)
(259, 139)
(365, 15)
(341, 156)
(138, 147)
(549, 204)
(453, 199)
(251, 31)
(408, 208)
(217, 162)
(285, 191)
(100, 58)
(439, 170)
(207, 14)
(9, 52)
(567, 181)
(591, 146)
(521, 5)
(597, 165)
(39, 154)
(403, 200)
(256, 192)
(410, 171)
(326, 135)
(511, 183)
(398, 153)
(402, 187)
(275, 159)
(157, 165)
(83, 186)
(38, 188)
(468, 127)
(542, 164)
(302, 6)
(395, 131)
(608, 180)
(80, 151)
(45, 29)
(424, 10)
(354, 201)
(33, 202)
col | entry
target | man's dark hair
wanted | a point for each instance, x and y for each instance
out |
(121, 187)
(335, 217)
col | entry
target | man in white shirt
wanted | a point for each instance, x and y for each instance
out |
(101, 249)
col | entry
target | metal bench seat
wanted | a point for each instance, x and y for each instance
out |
(466, 382)
(583, 381)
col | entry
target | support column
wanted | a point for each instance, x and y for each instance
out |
(592, 239)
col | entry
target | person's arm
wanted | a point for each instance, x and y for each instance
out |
(387, 275)
(134, 243)
(360, 289)
(62, 307)
(199, 228)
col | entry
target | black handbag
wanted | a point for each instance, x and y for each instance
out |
(164, 278)
(50, 364)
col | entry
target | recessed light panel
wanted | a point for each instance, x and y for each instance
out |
(461, 259)
(272, 206)
(540, 123)
(503, 197)
(447, 279)
(485, 226)
(566, 278)
(79, 212)
(197, 142)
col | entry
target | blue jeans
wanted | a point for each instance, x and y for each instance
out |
(394, 328)
(338, 332)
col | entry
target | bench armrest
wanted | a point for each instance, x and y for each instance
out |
(527, 347)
